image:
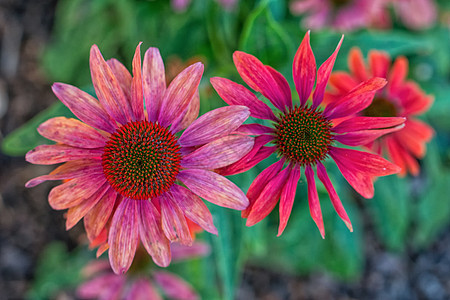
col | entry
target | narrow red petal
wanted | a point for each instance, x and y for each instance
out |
(313, 200)
(287, 198)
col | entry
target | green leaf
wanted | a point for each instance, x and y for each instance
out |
(26, 137)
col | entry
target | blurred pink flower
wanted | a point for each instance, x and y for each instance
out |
(415, 14)
(303, 135)
(127, 172)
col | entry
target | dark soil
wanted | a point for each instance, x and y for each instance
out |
(28, 224)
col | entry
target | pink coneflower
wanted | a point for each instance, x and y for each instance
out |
(339, 14)
(303, 135)
(125, 163)
(144, 282)
(414, 14)
(400, 98)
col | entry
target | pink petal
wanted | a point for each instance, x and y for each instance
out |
(283, 86)
(313, 200)
(84, 106)
(360, 167)
(193, 208)
(342, 82)
(356, 100)
(123, 76)
(75, 191)
(142, 290)
(337, 204)
(108, 89)
(236, 94)
(96, 219)
(175, 287)
(69, 170)
(188, 116)
(95, 288)
(287, 198)
(77, 212)
(323, 74)
(71, 132)
(123, 235)
(356, 64)
(363, 137)
(398, 73)
(198, 249)
(214, 124)
(218, 153)
(259, 183)
(55, 154)
(259, 78)
(420, 129)
(179, 94)
(396, 154)
(379, 63)
(254, 129)
(154, 80)
(268, 198)
(304, 69)
(152, 235)
(214, 188)
(137, 96)
(173, 221)
(364, 123)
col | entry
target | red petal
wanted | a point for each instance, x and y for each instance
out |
(313, 200)
(287, 198)
(304, 69)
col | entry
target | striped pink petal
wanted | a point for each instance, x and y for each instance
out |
(108, 89)
(254, 129)
(151, 233)
(75, 191)
(193, 208)
(363, 137)
(259, 78)
(142, 290)
(323, 74)
(137, 96)
(55, 154)
(337, 204)
(77, 212)
(179, 94)
(175, 287)
(173, 222)
(84, 106)
(69, 170)
(214, 188)
(287, 198)
(214, 124)
(71, 132)
(96, 219)
(304, 69)
(268, 198)
(236, 94)
(188, 116)
(219, 153)
(364, 123)
(283, 86)
(154, 80)
(123, 236)
(313, 200)
(123, 76)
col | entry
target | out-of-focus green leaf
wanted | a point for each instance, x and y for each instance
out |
(26, 137)
(391, 209)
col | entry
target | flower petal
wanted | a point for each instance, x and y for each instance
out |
(173, 221)
(69, 170)
(123, 76)
(304, 69)
(323, 74)
(214, 188)
(123, 236)
(175, 287)
(193, 208)
(96, 219)
(342, 82)
(108, 89)
(179, 94)
(214, 124)
(313, 200)
(254, 129)
(55, 154)
(218, 153)
(356, 64)
(99, 286)
(364, 123)
(337, 204)
(363, 137)
(379, 63)
(236, 94)
(75, 191)
(398, 73)
(259, 78)
(283, 86)
(268, 198)
(188, 116)
(154, 80)
(287, 198)
(137, 96)
(71, 132)
(151, 233)
(84, 106)
(142, 290)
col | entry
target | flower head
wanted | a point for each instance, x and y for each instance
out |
(303, 135)
(124, 162)
(400, 98)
